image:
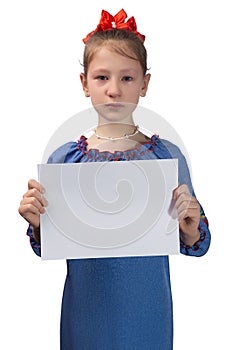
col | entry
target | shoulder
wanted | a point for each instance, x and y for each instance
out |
(175, 152)
(69, 152)
(165, 149)
(172, 148)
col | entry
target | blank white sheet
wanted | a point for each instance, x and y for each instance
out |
(109, 209)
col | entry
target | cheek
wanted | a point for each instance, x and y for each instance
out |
(96, 87)
(133, 93)
(96, 96)
(96, 93)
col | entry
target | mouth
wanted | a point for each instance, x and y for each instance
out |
(115, 105)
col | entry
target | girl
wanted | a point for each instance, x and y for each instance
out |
(119, 303)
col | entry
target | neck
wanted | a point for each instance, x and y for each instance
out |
(115, 129)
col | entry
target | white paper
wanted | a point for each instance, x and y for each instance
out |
(109, 209)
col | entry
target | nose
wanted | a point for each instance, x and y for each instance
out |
(113, 88)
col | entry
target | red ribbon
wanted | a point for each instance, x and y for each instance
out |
(108, 22)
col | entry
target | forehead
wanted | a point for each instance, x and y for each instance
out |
(115, 46)
(107, 54)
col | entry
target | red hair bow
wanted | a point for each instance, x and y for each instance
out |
(108, 22)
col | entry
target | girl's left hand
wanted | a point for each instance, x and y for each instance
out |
(188, 211)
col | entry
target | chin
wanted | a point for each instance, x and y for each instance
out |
(115, 111)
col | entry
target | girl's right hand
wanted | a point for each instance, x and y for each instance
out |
(33, 203)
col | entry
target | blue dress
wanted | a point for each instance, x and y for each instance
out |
(121, 303)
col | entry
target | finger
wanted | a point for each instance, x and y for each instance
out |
(35, 184)
(30, 214)
(31, 205)
(34, 202)
(35, 193)
(186, 200)
(28, 209)
(189, 203)
(180, 190)
(183, 189)
(188, 212)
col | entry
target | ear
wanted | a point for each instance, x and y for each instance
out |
(144, 88)
(84, 85)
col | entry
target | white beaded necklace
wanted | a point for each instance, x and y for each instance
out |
(126, 136)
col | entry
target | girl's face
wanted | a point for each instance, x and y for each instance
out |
(113, 78)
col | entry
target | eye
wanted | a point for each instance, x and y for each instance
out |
(101, 77)
(127, 78)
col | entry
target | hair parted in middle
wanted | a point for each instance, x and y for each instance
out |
(118, 35)
(121, 41)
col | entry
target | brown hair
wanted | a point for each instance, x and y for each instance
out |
(118, 40)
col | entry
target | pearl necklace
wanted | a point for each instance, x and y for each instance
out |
(126, 136)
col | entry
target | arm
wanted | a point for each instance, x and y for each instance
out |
(31, 207)
(194, 227)
(188, 210)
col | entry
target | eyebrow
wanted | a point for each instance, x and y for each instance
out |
(122, 71)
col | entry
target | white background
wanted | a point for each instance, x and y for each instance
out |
(190, 54)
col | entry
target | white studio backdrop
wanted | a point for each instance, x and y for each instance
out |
(190, 56)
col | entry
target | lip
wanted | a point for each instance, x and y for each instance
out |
(114, 105)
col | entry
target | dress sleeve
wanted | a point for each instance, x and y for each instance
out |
(201, 247)
(67, 153)
(35, 246)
